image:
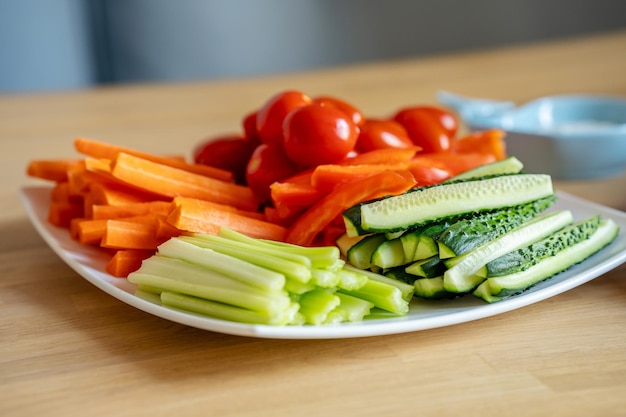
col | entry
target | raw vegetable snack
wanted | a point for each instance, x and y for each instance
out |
(308, 214)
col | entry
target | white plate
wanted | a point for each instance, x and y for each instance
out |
(89, 262)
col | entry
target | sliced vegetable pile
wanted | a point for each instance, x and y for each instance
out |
(488, 235)
(317, 214)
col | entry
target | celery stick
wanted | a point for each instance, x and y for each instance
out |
(288, 268)
(269, 303)
(351, 280)
(149, 296)
(297, 287)
(181, 270)
(378, 314)
(226, 312)
(320, 256)
(336, 316)
(315, 305)
(355, 309)
(383, 295)
(406, 289)
(246, 243)
(325, 278)
(232, 267)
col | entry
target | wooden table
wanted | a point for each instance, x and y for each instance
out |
(70, 349)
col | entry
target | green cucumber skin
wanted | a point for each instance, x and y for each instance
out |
(528, 256)
(467, 234)
(461, 277)
(500, 288)
(360, 254)
(427, 268)
(389, 254)
(432, 289)
(429, 204)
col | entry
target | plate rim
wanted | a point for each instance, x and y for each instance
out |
(88, 262)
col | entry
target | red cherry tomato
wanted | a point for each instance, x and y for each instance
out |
(249, 129)
(267, 165)
(425, 129)
(315, 135)
(270, 117)
(381, 134)
(354, 113)
(228, 152)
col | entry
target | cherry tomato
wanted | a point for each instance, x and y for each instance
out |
(315, 135)
(249, 128)
(425, 130)
(267, 165)
(227, 152)
(270, 117)
(381, 134)
(354, 113)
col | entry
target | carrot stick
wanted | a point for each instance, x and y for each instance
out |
(171, 182)
(88, 231)
(383, 156)
(192, 218)
(61, 213)
(125, 261)
(307, 227)
(103, 211)
(122, 234)
(97, 149)
(61, 193)
(209, 205)
(117, 195)
(50, 169)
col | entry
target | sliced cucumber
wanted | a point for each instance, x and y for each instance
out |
(345, 242)
(432, 289)
(467, 234)
(525, 258)
(461, 276)
(388, 254)
(499, 288)
(509, 165)
(441, 201)
(360, 254)
(427, 268)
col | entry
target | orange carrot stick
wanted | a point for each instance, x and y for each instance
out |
(192, 218)
(121, 234)
(104, 211)
(117, 195)
(61, 213)
(171, 182)
(88, 231)
(210, 205)
(50, 169)
(310, 224)
(97, 149)
(125, 261)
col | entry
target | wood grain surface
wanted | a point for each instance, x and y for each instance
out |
(68, 349)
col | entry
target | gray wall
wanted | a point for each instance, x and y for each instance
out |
(76, 43)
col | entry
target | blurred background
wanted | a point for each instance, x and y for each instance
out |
(48, 45)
